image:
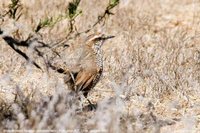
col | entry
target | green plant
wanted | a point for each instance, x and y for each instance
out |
(72, 11)
(112, 4)
(43, 23)
(14, 7)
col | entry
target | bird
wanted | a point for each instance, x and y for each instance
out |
(87, 71)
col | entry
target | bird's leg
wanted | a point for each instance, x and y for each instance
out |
(81, 102)
(72, 76)
(91, 106)
(89, 101)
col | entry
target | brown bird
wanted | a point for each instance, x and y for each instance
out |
(85, 74)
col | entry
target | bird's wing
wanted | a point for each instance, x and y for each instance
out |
(84, 79)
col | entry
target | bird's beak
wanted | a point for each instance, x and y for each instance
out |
(107, 37)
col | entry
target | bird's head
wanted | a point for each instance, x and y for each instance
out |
(97, 40)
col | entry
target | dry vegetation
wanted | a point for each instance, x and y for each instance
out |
(151, 79)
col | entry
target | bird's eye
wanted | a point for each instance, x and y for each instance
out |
(98, 39)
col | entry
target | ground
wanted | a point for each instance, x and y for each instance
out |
(151, 77)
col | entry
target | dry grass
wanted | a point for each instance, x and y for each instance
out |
(151, 69)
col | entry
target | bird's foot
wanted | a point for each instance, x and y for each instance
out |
(91, 106)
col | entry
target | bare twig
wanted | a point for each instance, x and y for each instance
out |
(13, 43)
